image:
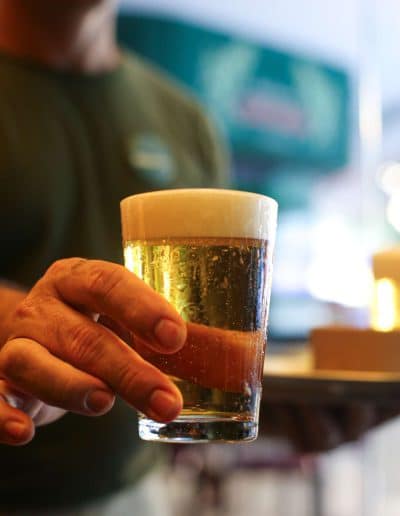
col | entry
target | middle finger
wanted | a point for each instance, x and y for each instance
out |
(92, 348)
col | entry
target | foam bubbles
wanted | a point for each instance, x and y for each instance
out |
(199, 212)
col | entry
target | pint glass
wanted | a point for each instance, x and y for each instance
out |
(209, 253)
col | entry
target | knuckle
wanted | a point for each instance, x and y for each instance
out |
(129, 379)
(56, 267)
(64, 264)
(34, 309)
(102, 281)
(138, 380)
(85, 344)
(12, 360)
(27, 309)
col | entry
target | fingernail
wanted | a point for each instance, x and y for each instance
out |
(99, 401)
(16, 430)
(169, 334)
(164, 405)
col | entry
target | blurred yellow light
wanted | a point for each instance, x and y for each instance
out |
(385, 316)
(133, 259)
(166, 284)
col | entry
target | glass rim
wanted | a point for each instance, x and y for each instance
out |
(198, 212)
(201, 191)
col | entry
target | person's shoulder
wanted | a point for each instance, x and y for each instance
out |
(165, 88)
(174, 101)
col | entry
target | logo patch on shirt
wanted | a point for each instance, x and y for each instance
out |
(151, 159)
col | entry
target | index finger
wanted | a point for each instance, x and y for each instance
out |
(111, 289)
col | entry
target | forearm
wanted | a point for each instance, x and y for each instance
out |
(10, 296)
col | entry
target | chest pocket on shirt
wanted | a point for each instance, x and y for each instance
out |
(152, 161)
(155, 163)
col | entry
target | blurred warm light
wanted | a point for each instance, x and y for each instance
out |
(339, 271)
(389, 177)
(166, 284)
(384, 308)
(393, 211)
(133, 259)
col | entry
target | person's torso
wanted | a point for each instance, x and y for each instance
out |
(71, 147)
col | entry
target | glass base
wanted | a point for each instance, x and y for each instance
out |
(199, 429)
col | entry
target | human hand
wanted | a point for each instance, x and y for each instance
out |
(56, 358)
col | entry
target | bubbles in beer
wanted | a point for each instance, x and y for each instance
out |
(218, 286)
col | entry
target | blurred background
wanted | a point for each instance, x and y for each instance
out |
(307, 95)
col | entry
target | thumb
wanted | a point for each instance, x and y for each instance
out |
(16, 427)
(40, 413)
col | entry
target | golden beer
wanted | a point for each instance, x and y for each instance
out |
(220, 286)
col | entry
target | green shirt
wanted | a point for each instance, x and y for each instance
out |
(71, 146)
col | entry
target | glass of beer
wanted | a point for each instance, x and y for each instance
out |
(209, 253)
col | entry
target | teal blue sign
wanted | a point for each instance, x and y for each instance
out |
(270, 103)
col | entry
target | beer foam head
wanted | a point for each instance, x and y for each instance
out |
(198, 213)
